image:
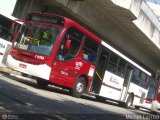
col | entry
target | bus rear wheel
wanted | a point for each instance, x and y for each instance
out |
(137, 107)
(100, 98)
(79, 88)
(42, 83)
(129, 101)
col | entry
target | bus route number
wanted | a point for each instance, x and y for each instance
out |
(39, 57)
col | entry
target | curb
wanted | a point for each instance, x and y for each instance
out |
(8, 70)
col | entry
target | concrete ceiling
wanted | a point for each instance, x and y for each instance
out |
(115, 25)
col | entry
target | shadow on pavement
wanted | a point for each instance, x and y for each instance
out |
(28, 105)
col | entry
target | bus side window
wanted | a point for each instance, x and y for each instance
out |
(76, 39)
(136, 75)
(90, 50)
(112, 65)
(143, 79)
(147, 82)
(121, 68)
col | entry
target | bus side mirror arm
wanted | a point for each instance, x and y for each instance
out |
(13, 30)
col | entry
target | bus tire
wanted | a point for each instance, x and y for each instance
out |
(79, 88)
(129, 101)
(100, 98)
(137, 107)
(154, 113)
(42, 83)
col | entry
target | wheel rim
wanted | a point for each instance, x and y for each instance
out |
(79, 87)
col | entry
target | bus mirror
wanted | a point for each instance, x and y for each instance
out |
(12, 28)
(15, 26)
(68, 43)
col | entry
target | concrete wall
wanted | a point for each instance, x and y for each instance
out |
(148, 22)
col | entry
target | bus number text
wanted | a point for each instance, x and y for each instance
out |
(39, 57)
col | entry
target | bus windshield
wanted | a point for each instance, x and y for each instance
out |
(37, 38)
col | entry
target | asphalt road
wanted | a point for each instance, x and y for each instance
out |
(23, 99)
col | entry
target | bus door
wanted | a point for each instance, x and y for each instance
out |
(126, 83)
(113, 77)
(100, 70)
(68, 63)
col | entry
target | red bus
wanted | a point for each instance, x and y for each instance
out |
(56, 50)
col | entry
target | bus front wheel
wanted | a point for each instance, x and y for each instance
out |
(42, 83)
(79, 87)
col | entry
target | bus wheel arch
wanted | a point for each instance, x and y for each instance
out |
(79, 87)
(86, 80)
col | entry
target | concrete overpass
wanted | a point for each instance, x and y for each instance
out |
(129, 25)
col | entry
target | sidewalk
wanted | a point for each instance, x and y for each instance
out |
(8, 70)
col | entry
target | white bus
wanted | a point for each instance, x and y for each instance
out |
(5, 36)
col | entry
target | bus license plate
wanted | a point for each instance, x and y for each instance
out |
(22, 66)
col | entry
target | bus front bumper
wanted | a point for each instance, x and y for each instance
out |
(40, 71)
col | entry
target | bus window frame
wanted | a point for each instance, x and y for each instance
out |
(60, 57)
(145, 86)
(98, 44)
(17, 23)
(113, 63)
(122, 68)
